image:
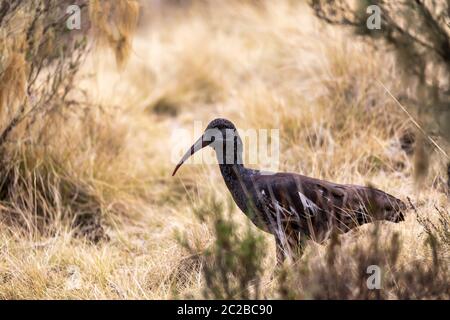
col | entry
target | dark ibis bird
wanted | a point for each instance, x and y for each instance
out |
(292, 207)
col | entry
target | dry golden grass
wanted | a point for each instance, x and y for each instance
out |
(271, 66)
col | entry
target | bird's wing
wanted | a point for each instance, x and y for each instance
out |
(299, 200)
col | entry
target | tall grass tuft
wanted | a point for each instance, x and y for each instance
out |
(232, 267)
(40, 98)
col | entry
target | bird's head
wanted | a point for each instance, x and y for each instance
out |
(222, 136)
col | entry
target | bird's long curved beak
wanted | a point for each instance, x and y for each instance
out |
(199, 144)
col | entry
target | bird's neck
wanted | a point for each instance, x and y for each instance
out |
(232, 173)
(236, 177)
(230, 162)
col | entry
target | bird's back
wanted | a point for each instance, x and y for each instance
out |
(315, 207)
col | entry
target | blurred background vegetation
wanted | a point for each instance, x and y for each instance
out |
(40, 61)
(417, 34)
